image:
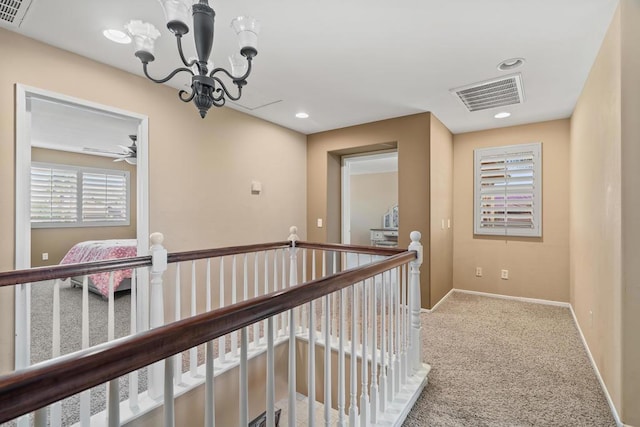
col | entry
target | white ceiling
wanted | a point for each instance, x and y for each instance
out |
(356, 61)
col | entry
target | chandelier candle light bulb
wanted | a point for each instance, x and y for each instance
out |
(207, 87)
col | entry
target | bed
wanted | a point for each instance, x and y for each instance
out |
(99, 250)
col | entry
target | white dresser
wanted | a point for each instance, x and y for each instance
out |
(384, 237)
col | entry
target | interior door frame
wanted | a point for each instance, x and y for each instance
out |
(24, 94)
(347, 162)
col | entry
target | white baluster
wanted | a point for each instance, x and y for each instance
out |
(383, 343)
(113, 387)
(85, 396)
(364, 392)
(374, 353)
(222, 347)
(341, 360)
(334, 302)
(56, 408)
(275, 286)
(256, 291)
(177, 358)
(293, 238)
(396, 357)
(271, 388)
(113, 403)
(209, 403)
(404, 326)
(390, 367)
(303, 314)
(193, 351)
(234, 299)
(324, 300)
(266, 280)
(111, 311)
(327, 361)
(353, 408)
(414, 301)
(244, 382)
(169, 403)
(283, 277)
(209, 400)
(133, 375)
(311, 371)
(156, 318)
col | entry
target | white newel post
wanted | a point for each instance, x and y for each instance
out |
(293, 280)
(415, 350)
(156, 303)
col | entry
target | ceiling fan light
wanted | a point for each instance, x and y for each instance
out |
(143, 34)
(131, 160)
(247, 29)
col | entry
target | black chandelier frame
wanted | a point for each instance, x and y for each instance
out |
(207, 89)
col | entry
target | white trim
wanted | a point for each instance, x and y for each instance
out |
(22, 203)
(426, 310)
(597, 371)
(522, 299)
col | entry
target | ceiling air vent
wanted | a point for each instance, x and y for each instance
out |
(12, 12)
(491, 93)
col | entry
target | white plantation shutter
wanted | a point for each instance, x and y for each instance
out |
(507, 196)
(54, 195)
(72, 196)
(104, 197)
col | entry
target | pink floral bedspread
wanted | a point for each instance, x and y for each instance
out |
(100, 250)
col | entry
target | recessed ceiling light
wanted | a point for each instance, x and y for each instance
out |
(302, 115)
(117, 36)
(502, 115)
(510, 64)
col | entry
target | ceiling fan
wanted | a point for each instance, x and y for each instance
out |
(131, 152)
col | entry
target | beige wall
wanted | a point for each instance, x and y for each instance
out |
(605, 206)
(595, 211)
(372, 195)
(411, 135)
(523, 257)
(200, 170)
(441, 247)
(630, 19)
(57, 241)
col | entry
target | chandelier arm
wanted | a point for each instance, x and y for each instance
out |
(231, 76)
(166, 79)
(181, 52)
(189, 98)
(226, 92)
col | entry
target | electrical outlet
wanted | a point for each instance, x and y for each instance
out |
(45, 256)
(478, 271)
(504, 274)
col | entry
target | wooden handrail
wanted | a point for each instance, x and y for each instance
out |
(38, 274)
(368, 250)
(26, 390)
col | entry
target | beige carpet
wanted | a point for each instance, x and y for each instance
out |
(499, 362)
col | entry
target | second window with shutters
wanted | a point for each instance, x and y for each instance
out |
(508, 190)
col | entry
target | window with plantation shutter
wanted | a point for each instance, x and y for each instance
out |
(507, 196)
(72, 196)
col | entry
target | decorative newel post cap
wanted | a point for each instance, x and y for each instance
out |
(293, 236)
(415, 236)
(156, 238)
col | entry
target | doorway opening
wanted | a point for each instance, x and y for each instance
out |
(370, 212)
(53, 129)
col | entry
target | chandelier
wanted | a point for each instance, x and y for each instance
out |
(207, 86)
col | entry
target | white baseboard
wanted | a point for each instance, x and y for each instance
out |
(522, 299)
(595, 368)
(426, 310)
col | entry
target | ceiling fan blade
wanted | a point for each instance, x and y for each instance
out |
(119, 159)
